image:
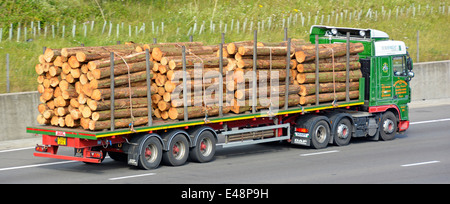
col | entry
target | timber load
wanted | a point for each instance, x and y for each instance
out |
(75, 83)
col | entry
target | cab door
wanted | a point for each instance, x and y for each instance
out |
(384, 79)
(400, 77)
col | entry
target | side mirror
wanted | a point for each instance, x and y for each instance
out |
(409, 64)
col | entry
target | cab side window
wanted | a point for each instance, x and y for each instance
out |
(399, 66)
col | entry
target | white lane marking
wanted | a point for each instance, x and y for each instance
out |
(35, 165)
(18, 149)
(429, 121)
(133, 176)
(317, 153)
(420, 163)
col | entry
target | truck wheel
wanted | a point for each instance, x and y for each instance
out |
(151, 154)
(343, 132)
(388, 126)
(320, 134)
(205, 148)
(178, 151)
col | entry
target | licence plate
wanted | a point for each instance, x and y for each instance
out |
(61, 141)
(300, 134)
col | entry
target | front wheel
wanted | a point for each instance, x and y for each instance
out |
(388, 126)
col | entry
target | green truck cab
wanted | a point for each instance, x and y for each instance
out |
(385, 63)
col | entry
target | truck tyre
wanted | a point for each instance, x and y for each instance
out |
(343, 132)
(205, 147)
(388, 126)
(151, 154)
(178, 151)
(320, 134)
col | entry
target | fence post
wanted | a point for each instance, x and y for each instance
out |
(417, 60)
(7, 73)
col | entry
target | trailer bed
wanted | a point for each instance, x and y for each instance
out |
(168, 124)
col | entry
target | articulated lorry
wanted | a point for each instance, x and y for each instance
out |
(378, 113)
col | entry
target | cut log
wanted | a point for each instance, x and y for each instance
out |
(120, 69)
(118, 104)
(327, 97)
(104, 94)
(42, 120)
(232, 48)
(158, 53)
(240, 106)
(326, 51)
(119, 113)
(51, 54)
(119, 80)
(303, 78)
(266, 63)
(308, 89)
(136, 57)
(73, 62)
(242, 75)
(196, 111)
(327, 67)
(248, 50)
(206, 62)
(118, 123)
(269, 91)
(70, 122)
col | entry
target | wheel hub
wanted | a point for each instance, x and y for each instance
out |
(321, 133)
(342, 131)
(388, 126)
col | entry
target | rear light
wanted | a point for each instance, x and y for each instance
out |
(97, 155)
(303, 130)
(40, 148)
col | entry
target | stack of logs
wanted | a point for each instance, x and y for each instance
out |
(272, 56)
(74, 83)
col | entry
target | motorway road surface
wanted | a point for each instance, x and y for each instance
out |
(421, 155)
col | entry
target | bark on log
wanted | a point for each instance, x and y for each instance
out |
(119, 113)
(120, 80)
(308, 89)
(326, 51)
(240, 106)
(303, 78)
(141, 91)
(248, 50)
(270, 91)
(120, 69)
(327, 97)
(135, 57)
(327, 67)
(118, 123)
(158, 53)
(266, 63)
(196, 111)
(118, 104)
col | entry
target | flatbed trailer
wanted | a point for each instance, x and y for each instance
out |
(379, 113)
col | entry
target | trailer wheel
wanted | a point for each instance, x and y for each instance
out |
(343, 132)
(178, 151)
(320, 134)
(388, 126)
(205, 148)
(151, 154)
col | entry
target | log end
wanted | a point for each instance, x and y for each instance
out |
(300, 56)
